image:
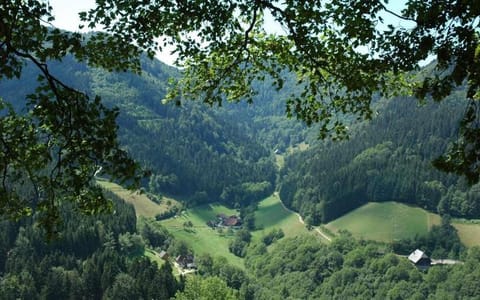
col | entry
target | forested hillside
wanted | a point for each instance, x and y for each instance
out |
(225, 154)
(265, 118)
(193, 151)
(95, 257)
(305, 268)
(389, 158)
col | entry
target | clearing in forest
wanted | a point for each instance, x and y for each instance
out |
(386, 221)
(468, 231)
(271, 214)
(143, 205)
(389, 221)
(201, 238)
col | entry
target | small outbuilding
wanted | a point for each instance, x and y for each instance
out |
(420, 259)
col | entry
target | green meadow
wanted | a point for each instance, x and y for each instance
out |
(203, 239)
(271, 214)
(468, 231)
(386, 221)
(142, 204)
(200, 237)
(389, 221)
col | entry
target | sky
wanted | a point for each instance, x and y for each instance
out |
(66, 17)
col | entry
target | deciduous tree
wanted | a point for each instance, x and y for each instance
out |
(342, 51)
(51, 151)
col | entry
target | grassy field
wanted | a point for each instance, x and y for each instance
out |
(143, 206)
(271, 214)
(152, 255)
(469, 233)
(388, 221)
(201, 238)
(385, 221)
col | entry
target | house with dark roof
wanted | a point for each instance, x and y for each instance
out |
(420, 259)
(185, 261)
(232, 221)
(223, 221)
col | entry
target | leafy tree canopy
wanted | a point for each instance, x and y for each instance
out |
(343, 52)
(51, 150)
(66, 135)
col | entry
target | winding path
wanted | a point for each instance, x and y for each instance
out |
(300, 219)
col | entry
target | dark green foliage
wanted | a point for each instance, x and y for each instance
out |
(167, 214)
(273, 236)
(246, 193)
(88, 261)
(153, 234)
(218, 266)
(305, 268)
(197, 288)
(191, 151)
(238, 246)
(179, 247)
(335, 79)
(51, 150)
(441, 241)
(64, 136)
(247, 215)
(386, 159)
(131, 244)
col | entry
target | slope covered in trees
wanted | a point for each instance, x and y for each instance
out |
(97, 257)
(387, 159)
(304, 268)
(192, 151)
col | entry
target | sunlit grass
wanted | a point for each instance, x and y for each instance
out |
(387, 221)
(143, 205)
(200, 237)
(272, 215)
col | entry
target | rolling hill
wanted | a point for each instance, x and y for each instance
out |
(386, 159)
(192, 151)
(391, 221)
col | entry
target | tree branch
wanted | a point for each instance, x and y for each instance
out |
(395, 14)
(249, 29)
(52, 80)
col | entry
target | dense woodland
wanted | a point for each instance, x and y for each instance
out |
(304, 268)
(100, 258)
(226, 154)
(389, 158)
(192, 151)
(59, 128)
(94, 258)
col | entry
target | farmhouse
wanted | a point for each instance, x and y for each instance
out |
(232, 221)
(420, 259)
(186, 261)
(223, 221)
